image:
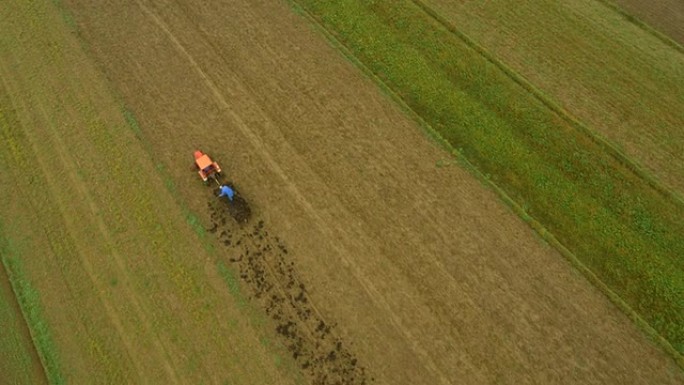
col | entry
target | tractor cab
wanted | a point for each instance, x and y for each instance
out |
(206, 167)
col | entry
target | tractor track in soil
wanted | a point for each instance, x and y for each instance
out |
(261, 260)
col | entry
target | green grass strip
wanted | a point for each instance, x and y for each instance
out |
(626, 232)
(16, 348)
(29, 302)
(231, 281)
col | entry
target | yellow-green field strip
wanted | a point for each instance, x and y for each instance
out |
(27, 296)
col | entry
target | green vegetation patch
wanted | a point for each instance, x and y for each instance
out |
(625, 231)
(620, 80)
(18, 364)
(232, 282)
(29, 301)
(27, 296)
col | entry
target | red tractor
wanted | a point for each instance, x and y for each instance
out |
(207, 168)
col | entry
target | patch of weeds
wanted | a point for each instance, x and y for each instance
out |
(232, 282)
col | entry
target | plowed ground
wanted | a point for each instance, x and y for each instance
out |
(374, 264)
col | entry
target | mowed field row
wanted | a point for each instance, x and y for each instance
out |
(629, 233)
(118, 287)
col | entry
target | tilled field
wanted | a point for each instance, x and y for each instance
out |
(262, 262)
(373, 264)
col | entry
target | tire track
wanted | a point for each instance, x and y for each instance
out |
(273, 282)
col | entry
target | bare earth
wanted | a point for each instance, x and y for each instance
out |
(666, 16)
(427, 278)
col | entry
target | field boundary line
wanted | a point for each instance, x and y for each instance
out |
(631, 164)
(514, 206)
(642, 24)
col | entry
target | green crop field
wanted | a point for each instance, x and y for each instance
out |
(626, 231)
(622, 81)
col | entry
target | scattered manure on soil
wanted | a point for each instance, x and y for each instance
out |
(238, 208)
(267, 271)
